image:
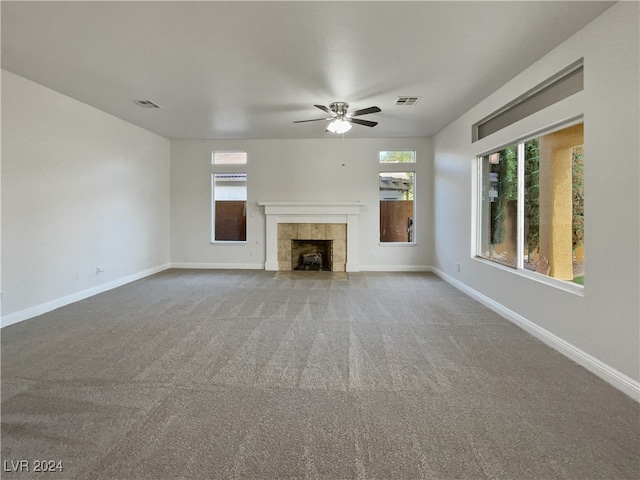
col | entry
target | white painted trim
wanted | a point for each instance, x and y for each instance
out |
(567, 286)
(218, 266)
(262, 266)
(351, 266)
(289, 207)
(609, 374)
(75, 297)
(227, 242)
(397, 244)
(271, 265)
(395, 268)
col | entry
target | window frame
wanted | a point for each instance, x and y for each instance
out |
(568, 286)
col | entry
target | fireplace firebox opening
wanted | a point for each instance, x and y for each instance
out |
(312, 255)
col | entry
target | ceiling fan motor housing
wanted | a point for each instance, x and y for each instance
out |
(339, 108)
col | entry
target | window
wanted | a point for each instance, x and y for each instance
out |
(532, 205)
(560, 86)
(499, 204)
(396, 188)
(229, 207)
(229, 158)
(229, 196)
(398, 156)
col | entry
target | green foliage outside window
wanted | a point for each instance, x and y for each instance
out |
(507, 186)
(532, 196)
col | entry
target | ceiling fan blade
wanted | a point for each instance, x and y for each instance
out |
(366, 123)
(325, 109)
(312, 120)
(365, 111)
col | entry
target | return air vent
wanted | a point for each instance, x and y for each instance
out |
(147, 104)
(407, 100)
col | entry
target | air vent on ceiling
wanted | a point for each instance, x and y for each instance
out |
(147, 104)
(407, 100)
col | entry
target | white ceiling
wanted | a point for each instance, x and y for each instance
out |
(249, 69)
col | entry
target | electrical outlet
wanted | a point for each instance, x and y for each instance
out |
(458, 266)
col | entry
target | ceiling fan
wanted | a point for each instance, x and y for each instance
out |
(341, 120)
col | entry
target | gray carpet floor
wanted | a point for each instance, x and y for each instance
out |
(246, 374)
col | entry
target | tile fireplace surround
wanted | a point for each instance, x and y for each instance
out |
(336, 232)
(286, 221)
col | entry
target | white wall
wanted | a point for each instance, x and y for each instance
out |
(80, 189)
(604, 322)
(332, 169)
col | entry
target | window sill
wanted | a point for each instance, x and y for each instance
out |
(397, 244)
(227, 242)
(569, 287)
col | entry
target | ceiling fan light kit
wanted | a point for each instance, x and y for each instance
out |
(339, 125)
(341, 120)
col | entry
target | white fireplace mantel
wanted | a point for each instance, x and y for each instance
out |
(312, 212)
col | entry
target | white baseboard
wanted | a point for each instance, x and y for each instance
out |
(74, 297)
(395, 268)
(609, 374)
(274, 267)
(271, 266)
(219, 266)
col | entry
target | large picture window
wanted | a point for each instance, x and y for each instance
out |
(532, 205)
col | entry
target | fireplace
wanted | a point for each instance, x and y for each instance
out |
(328, 239)
(312, 255)
(286, 221)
